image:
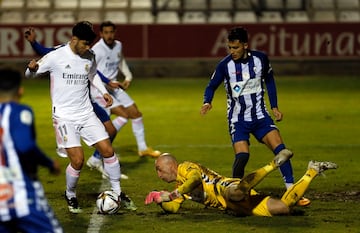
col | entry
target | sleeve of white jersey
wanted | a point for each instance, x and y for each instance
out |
(43, 67)
(124, 68)
(96, 80)
(99, 84)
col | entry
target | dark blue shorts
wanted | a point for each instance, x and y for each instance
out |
(36, 222)
(100, 113)
(241, 130)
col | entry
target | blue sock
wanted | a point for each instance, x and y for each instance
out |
(279, 148)
(240, 162)
(97, 154)
(285, 169)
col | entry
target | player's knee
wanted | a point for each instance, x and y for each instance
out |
(77, 163)
(233, 193)
(277, 207)
(105, 149)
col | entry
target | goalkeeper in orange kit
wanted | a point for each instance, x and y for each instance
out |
(200, 184)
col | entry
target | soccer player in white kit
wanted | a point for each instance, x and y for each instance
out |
(72, 68)
(104, 117)
(110, 61)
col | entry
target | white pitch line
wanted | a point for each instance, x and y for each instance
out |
(96, 220)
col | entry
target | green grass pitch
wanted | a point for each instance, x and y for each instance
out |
(321, 122)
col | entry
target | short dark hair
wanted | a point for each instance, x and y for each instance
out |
(107, 24)
(238, 33)
(84, 31)
(10, 80)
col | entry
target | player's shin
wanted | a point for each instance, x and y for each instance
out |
(239, 164)
(295, 192)
(139, 133)
(72, 177)
(112, 167)
(254, 178)
(119, 122)
(287, 173)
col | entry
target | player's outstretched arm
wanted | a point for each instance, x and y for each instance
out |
(41, 50)
(163, 199)
(30, 35)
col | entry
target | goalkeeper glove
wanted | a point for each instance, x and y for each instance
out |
(161, 196)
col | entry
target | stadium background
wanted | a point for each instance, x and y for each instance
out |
(186, 38)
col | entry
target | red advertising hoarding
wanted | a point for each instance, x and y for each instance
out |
(289, 41)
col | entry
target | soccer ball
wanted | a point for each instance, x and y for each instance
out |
(108, 202)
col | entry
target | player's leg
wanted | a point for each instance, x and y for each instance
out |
(112, 167)
(95, 161)
(76, 156)
(138, 129)
(277, 207)
(121, 118)
(251, 180)
(274, 141)
(269, 134)
(242, 155)
(111, 163)
(240, 135)
(295, 192)
(132, 112)
(93, 133)
(67, 137)
(119, 121)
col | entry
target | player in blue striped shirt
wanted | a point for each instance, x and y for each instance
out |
(245, 74)
(23, 206)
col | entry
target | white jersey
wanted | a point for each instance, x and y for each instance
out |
(69, 82)
(110, 60)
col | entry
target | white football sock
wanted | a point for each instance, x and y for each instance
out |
(288, 185)
(139, 133)
(119, 122)
(112, 167)
(95, 160)
(72, 178)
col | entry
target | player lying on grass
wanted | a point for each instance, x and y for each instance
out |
(200, 184)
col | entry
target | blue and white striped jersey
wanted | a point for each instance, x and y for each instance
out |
(244, 81)
(19, 158)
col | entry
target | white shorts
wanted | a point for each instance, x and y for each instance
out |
(69, 133)
(120, 98)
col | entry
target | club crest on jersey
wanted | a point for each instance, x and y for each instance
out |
(26, 117)
(237, 88)
(119, 55)
(6, 192)
(87, 68)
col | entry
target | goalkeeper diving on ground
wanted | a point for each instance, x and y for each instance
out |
(202, 185)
